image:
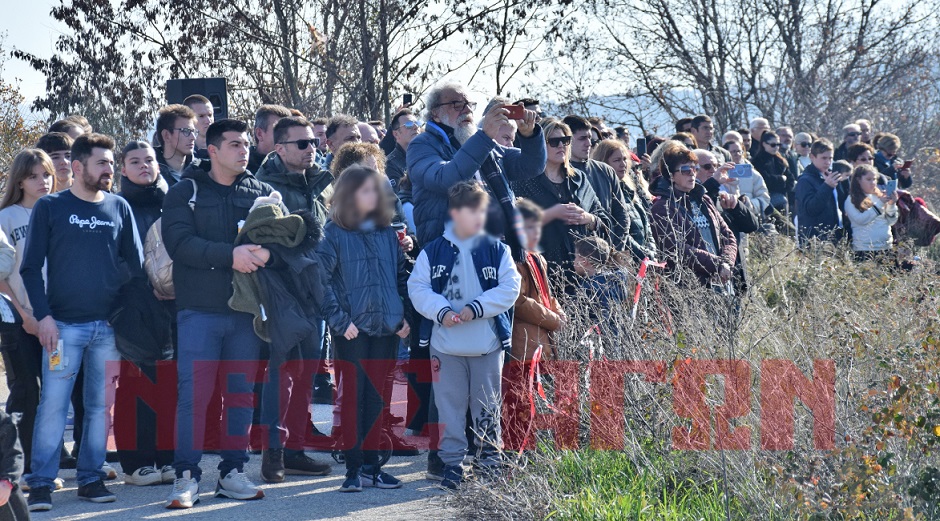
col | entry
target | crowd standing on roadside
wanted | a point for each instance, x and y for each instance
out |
(329, 258)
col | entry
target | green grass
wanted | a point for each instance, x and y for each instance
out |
(600, 485)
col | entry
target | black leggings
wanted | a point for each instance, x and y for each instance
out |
(22, 356)
(362, 402)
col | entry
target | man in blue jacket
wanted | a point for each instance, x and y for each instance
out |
(819, 197)
(452, 149)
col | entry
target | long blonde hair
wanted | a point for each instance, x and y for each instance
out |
(547, 130)
(636, 183)
(22, 168)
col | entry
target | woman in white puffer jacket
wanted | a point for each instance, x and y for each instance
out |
(753, 187)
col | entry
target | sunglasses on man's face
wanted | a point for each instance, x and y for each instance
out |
(555, 142)
(409, 125)
(853, 134)
(805, 144)
(302, 144)
(707, 166)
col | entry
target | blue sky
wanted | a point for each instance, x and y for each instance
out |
(29, 27)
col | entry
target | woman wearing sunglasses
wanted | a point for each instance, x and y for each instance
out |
(776, 172)
(572, 209)
(688, 228)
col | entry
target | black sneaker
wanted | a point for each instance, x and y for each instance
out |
(298, 463)
(96, 492)
(40, 499)
(453, 476)
(352, 484)
(272, 465)
(370, 478)
(435, 467)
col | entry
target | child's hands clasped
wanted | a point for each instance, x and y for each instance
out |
(466, 314)
(451, 319)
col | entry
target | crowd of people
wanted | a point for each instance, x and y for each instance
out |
(328, 258)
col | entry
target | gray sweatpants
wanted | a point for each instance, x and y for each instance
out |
(468, 381)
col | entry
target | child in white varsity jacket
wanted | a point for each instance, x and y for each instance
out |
(464, 284)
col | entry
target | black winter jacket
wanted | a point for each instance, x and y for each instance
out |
(201, 240)
(364, 278)
(776, 173)
(308, 191)
(166, 170)
(609, 192)
(396, 166)
(145, 201)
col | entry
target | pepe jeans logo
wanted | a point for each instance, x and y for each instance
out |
(90, 223)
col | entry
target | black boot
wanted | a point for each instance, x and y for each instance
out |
(272, 465)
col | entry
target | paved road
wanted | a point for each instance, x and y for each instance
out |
(298, 498)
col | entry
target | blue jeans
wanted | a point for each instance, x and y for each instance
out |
(211, 346)
(90, 344)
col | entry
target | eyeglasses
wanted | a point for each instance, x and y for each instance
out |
(688, 169)
(410, 124)
(187, 131)
(459, 105)
(805, 144)
(555, 142)
(773, 145)
(707, 166)
(853, 134)
(302, 144)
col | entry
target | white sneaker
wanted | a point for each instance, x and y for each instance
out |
(59, 483)
(168, 474)
(144, 476)
(185, 492)
(236, 485)
(109, 472)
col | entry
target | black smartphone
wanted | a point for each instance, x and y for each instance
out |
(640, 146)
(408, 99)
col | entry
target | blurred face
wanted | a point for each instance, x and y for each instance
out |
(786, 137)
(468, 221)
(865, 129)
(823, 162)
(62, 161)
(802, 147)
(343, 135)
(581, 145)
(368, 134)
(298, 159)
(181, 139)
(204, 117)
(746, 141)
(38, 183)
(737, 154)
(264, 137)
(683, 178)
(231, 156)
(706, 166)
(868, 183)
(97, 172)
(533, 233)
(772, 146)
(866, 158)
(852, 135)
(759, 128)
(581, 265)
(704, 133)
(889, 151)
(558, 145)
(619, 162)
(367, 197)
(506, 135)
(408, 128)
(319, 132)
(140, 166)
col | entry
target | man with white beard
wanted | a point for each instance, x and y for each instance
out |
(452, 149)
